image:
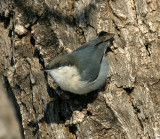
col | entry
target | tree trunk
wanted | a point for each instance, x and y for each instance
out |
(34, 32)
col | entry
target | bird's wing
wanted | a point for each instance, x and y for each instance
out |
(89, 61)
(90, 54)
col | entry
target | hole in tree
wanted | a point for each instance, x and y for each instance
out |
(12, 61)
(10, 33)
(138, 110)
(147, 46)
(32, 40)
(73, 129)
(89, 113)
(129, 90)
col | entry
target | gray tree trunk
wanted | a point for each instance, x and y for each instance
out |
(34, 32)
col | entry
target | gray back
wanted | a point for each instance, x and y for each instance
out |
(89, 58)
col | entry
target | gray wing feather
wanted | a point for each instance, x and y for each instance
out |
(90, 54)
(89, 60)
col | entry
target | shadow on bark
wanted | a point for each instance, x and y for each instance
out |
(32, 16)
(64, 105)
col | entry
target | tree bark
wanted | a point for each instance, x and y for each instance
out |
(34, 32)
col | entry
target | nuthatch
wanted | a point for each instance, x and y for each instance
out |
(85, 69)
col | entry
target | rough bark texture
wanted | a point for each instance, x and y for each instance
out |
(33, 32)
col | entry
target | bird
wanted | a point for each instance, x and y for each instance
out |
(85, 69)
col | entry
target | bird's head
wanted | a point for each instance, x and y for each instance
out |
(60, 61)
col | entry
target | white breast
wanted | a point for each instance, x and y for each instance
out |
(68, 79)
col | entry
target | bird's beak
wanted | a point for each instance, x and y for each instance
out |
(106, 36)
(109, 36)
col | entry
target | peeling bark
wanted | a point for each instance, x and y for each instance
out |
(34, 32)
